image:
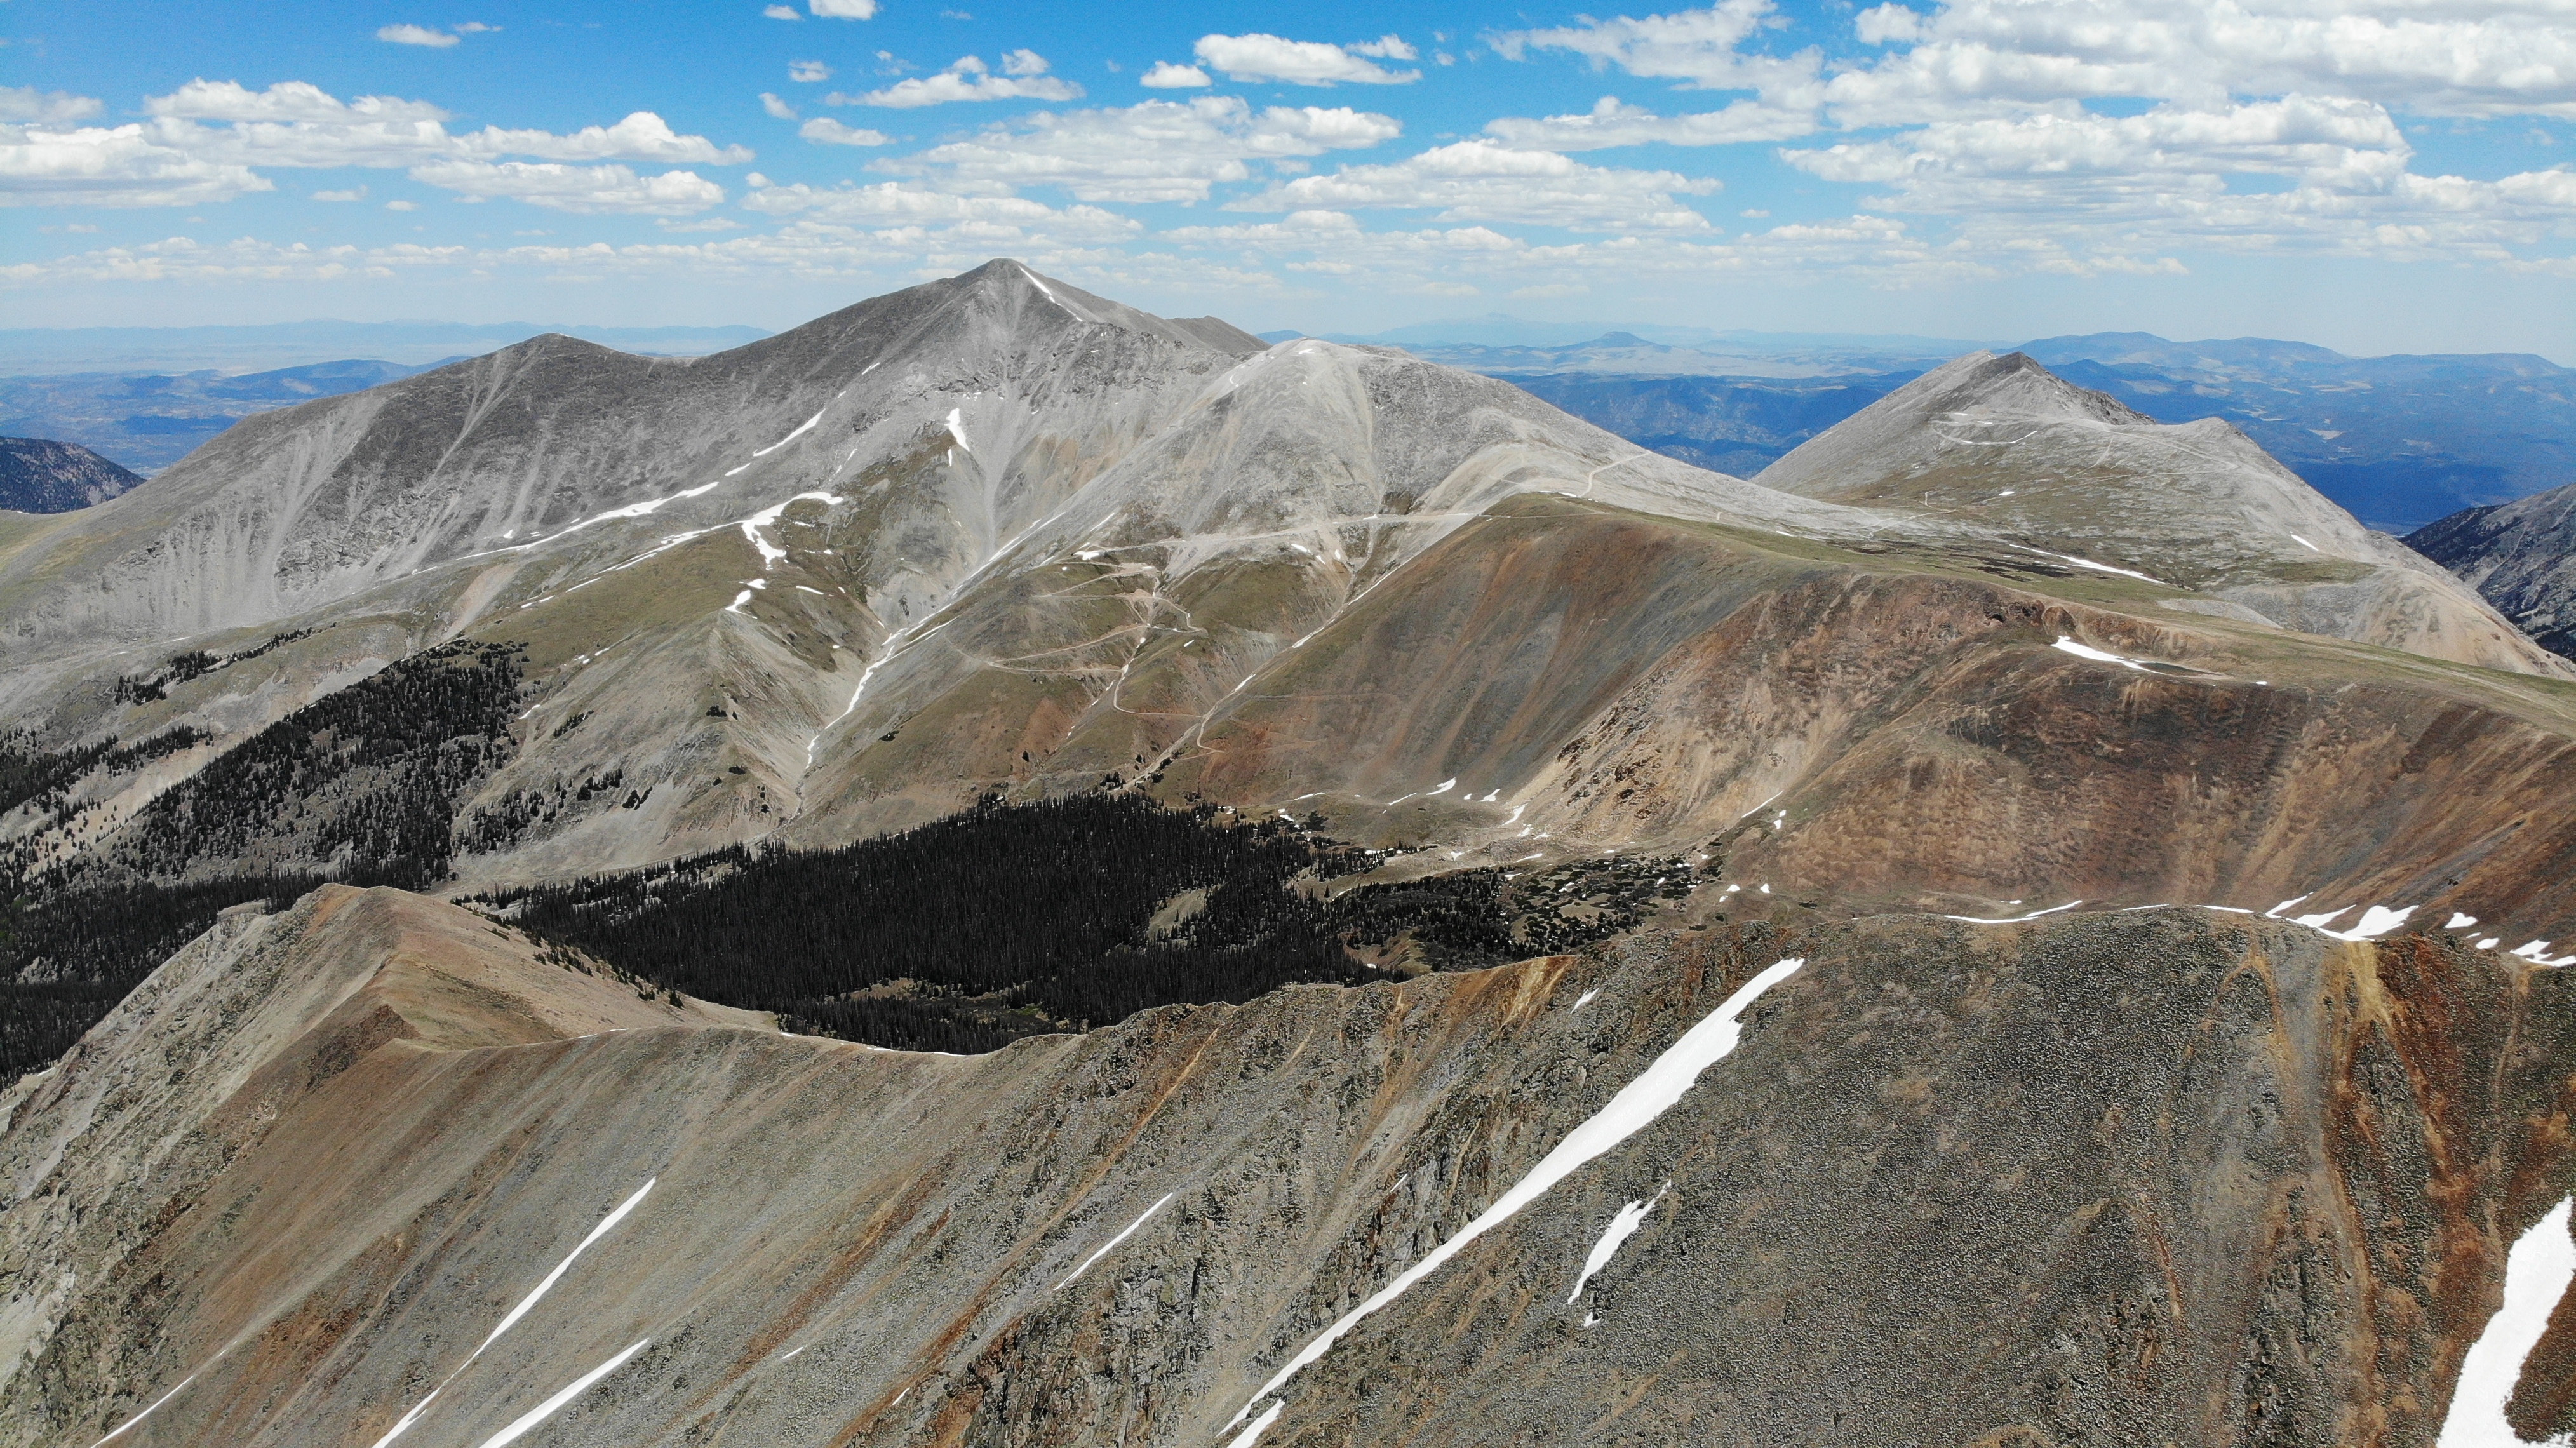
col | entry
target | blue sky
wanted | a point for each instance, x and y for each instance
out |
(2376, 177)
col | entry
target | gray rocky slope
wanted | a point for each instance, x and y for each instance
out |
(994, 534)
(2189, 1175)
(2521, 556)
(374, 1168)
(2051, 466)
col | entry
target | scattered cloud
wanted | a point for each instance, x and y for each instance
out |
(806, 72)
(119, 166)
(1167, 76)
(1385, 47)
(477, 27)
(778, 110)
(1613, 122)
(1703, 49)
(843, 9)
(402, 206)
(780, 12)
(205, 140)
(1261, 57)
(589, 190)
(416, 35)
(53, 108)
(1153, 151)
(1023, 77)
(1481, 180)
(832, 133)
(354, 193)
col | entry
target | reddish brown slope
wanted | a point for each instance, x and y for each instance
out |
(2157, 1177)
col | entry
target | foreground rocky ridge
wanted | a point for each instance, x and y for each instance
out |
(2163, 1176)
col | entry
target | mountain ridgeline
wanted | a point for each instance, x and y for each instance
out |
(996, 868)
(2521, 556)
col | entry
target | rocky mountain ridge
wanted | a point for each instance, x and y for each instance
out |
(1836, 1203)
(39, 476)
(2521, 556)
(2040, 928)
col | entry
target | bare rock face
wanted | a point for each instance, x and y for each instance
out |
(38, 476)
(2520, 556)
(374, 1165)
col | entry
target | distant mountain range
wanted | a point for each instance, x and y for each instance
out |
(35, 350)
(2399, 440)
(148, 421)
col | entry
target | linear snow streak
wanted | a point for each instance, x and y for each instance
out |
(403, 1424)
(553, 1405)
(147, 1412)
(1112, 1242)
(2008, 919)
(1626, 1224)
(611, 1220)
(1245, 1438)
(791, 437)
(2536, 1274)
(1664, 1081)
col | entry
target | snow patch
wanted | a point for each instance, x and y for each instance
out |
(1664, 1082)
(1587, 998)
(1626, 1224)
(2304, 543)
(2087, 651)
(2537, 952)
(806, 426)
(1245, 1438)
(2097, 567)
(2459, 921)
(165, 1397)
(1112, 1242)
(602, 1230)
(2536, 1275)
(555, 1404)
(2014, 919)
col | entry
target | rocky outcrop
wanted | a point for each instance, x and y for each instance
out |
(2172, 1175)
(2521, 556)
(37, 476)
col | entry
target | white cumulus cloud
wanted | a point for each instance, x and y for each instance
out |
(26, 103)
(120, 166)
(416, 35)
(843, 9)
(778, 110)
(1167, 76)
(1261, 57)
(806, 72)
(590, 190)
(1024, 77)
(1481, 180)
(1153, 151)
(830, 132)
(207, 140)
(1613, 122)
